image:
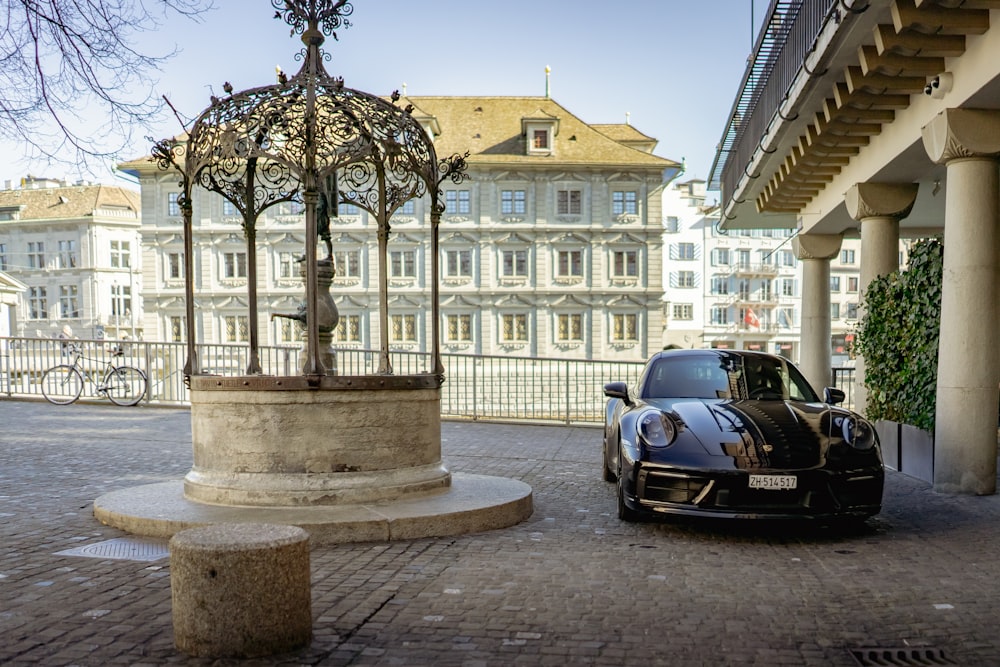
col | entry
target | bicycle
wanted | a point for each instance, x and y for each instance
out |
(122, 385)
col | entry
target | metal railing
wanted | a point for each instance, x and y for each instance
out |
(476, 387)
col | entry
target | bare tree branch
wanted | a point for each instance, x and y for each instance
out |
(64, 63)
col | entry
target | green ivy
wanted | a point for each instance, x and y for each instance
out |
(898, 338)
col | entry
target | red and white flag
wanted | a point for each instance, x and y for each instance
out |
(750, 319)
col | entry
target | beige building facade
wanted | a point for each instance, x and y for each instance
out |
(76, 250)
(552, 247)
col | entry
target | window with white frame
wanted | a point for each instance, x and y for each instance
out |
(287, 265)
(514, 327)
(514, 263)
(457, 202)
(228, 208)
(38, 304)
(173, 204)
(683, 311)
(458, 328)
(175, 328)
(69, 301)
(743, 258)
(175, 265)
(36, 254)
(121, 254)
(847, 257)
(719, 315)
(721, 257)
(852, 311)
(409, 207)
(835, 311)
(348, 329)
(569, 327)
(345, 208)
(66, 256)
(685, 251)
(236, 328)
(743, 289)
(684, 279)
(3, 256)
(403, 263)
(513, 202)
(788, 287)
(834, 283)
(403, 328)
(347, 263)
(569, 264)
(852, 283)
(625, 264)
(624, 327)
(786, 317)
(720, 285)
(569, 202)
(458, 263)
(787, 258)
(234, 265)
(121, 300)
(287, 330)
(624, 202)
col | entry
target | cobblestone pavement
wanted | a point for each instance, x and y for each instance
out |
(570, 586)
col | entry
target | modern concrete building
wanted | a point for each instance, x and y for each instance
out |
(75, 248)
(881, 119)
(552, 248)
(740, 288)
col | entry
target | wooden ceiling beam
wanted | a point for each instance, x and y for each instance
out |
(861, 99)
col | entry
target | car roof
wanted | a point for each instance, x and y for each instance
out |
(718, 352)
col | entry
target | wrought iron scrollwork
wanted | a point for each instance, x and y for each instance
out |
(328, 14)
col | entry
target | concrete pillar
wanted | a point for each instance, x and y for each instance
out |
(878, 207)
(815, 252)
(965, 436)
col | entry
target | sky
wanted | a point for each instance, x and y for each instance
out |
(669, 67)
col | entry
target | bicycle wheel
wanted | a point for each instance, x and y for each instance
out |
(62, 384)
(124, 385)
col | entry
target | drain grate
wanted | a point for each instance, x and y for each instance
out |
(121, 548)
(901, 657)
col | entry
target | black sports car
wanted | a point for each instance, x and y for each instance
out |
(737, 434)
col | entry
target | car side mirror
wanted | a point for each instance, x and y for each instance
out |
(617, 390)
(833, 396)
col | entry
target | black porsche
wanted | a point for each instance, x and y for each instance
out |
(737, 434)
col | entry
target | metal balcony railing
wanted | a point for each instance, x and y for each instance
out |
(787, 37)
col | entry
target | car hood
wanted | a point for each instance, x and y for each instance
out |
(759, 434)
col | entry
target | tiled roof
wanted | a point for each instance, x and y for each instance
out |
(67, 203)
(490, 129)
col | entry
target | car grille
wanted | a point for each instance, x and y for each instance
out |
(817, 492)
(669, 487)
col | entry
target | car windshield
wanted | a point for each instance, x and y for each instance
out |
(727, 376)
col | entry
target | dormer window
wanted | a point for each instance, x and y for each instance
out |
(539, 131)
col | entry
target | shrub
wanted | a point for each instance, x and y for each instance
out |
(898, 338)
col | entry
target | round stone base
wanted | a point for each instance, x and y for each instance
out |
(473, 503)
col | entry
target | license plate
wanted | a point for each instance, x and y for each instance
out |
(774, 482)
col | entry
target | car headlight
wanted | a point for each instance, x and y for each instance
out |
(858, 433)
(656, 429)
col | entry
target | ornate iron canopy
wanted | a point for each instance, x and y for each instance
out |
(309, 138)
